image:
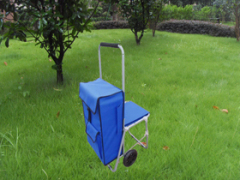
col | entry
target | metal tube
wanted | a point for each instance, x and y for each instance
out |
(123, 65)
(99, 58)
(123, 68)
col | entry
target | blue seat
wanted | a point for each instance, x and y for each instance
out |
(133, 113)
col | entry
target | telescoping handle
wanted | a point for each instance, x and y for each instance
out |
(109, 45)
(123, 59)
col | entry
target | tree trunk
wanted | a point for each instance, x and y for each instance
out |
(137, 39)
(237, 22)
(114, 9)
(223, 18)
(153, 32)
(59, 75)
(152, 26)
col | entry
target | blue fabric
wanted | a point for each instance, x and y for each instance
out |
(90, 92)
(105, 125)
(111, 113)
(133, 113)
(91, 132)
(104, 119)
(94, 139)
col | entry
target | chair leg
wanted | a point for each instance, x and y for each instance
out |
(146, 131)
(145, 135)
(121, 148)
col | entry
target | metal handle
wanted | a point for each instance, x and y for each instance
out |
(109, 45)
(123, 59)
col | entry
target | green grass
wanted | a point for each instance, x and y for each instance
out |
(177, 77)
(229, 23)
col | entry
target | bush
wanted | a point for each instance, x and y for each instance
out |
(205, 13)
(101, 19)
(188, 12)
(111, 25)
(196, 27)
(174, 12)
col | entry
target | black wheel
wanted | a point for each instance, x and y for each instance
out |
(130, 157)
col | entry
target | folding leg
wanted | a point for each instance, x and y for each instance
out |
(127, 129)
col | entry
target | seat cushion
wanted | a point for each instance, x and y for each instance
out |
(133, 113)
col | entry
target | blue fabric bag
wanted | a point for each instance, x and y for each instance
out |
(103, 107)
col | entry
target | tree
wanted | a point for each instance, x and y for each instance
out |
(156, 14)
(225, 9)
(137, 13)
(58, 24)
(231, 6)
(114, 12)
(105, 10)
(236, 9)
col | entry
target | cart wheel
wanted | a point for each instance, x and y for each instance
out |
(130, 157)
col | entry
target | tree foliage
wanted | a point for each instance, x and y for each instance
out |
(58, 24)
(137, 13)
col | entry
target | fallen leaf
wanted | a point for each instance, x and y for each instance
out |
(50, 60)
(166, 148)
(224, 110)
(215, 107)
(166, 53)
(58, 113)
(5, 63)
(57, 89)
(160, 59)
(143, 143)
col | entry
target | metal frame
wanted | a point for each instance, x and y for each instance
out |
(127, 128)
(123, 63)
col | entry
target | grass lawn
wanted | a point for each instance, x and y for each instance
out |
(177, 77)
(229, 23)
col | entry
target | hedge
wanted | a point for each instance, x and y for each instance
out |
(196, 27)
(179, 26)
(111, 25)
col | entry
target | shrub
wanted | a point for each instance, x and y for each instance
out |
(167, 12)
(205, 13)
(111, 25)
(196, 27)
(188, 12)
(174, 12)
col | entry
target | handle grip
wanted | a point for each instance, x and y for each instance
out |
(123, 59)
(109, 45)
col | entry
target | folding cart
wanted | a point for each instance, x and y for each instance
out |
(108, 117)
